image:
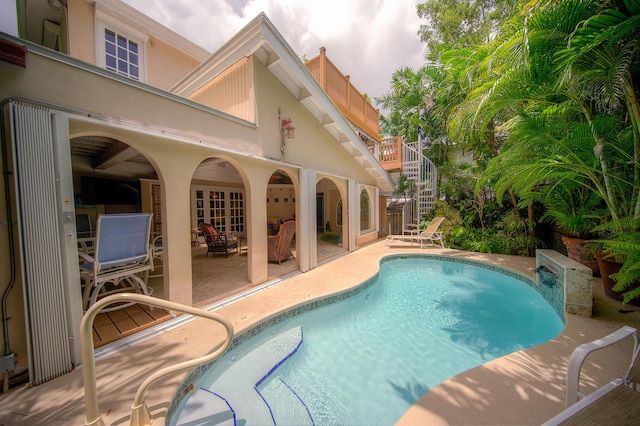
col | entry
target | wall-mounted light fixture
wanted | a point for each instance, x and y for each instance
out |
(287, 128)
(286, 132)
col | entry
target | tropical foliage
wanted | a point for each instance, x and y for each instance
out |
(542, 96)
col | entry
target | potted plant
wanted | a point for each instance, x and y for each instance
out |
(618, 256)
(576, 211)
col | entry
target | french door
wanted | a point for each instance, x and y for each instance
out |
(219, 206)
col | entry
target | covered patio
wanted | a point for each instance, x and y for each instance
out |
(215, 278)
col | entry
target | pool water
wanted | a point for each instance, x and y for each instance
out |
(367, 359)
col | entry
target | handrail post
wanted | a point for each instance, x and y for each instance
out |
(140, 414)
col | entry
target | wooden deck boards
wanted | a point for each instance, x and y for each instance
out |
(111, 326)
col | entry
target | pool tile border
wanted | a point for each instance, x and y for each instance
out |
(197, 372)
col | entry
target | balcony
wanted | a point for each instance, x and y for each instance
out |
(353, 105)
(389, 153)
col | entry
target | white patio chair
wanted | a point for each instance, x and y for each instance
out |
(157, 253)
(84, 233)
(122, 258)
(599, 407)
(429, 235)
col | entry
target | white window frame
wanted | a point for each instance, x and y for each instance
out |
(226, 221)
(105, 22)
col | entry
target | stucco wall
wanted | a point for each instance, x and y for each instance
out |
(312, 146)
(165, 65)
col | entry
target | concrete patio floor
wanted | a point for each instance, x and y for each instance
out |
(526, 387)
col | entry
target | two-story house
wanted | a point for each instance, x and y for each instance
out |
(94, 93)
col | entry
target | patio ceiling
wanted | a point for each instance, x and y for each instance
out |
(113, 158)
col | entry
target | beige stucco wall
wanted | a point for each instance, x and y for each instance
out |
(312, 146)
(81, 30)
(165, 65)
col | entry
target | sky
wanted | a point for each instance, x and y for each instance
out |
(366, 39)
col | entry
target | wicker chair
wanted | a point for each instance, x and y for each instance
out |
(279, 247)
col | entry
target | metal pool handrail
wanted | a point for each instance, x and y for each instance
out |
(140, 414)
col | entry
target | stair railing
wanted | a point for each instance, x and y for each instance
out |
(140, 414)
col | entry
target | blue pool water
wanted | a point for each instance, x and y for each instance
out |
(368, 358)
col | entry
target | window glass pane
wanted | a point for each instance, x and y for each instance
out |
(122, 54)
(122, 67)
(364, 211)
(111, 63)
(110, 36)
(122, 42)
(133, 58)
(110, 48)
(133, 46)
(133, 71)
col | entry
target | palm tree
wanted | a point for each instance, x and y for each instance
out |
(554, 71)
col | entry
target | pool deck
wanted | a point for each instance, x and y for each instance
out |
(526, 387)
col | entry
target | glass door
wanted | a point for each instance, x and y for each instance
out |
(221, 207)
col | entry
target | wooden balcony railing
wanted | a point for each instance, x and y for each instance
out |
(354, 105)
(390, 153)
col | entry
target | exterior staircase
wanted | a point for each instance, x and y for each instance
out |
(396, 155)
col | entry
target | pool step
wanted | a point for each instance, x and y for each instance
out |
(218, 411)
(287, 407)
(238, 384)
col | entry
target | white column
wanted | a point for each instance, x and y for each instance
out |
(376, 208)
(354, 213)
(306, 237)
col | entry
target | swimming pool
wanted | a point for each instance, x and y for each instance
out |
(368, 358)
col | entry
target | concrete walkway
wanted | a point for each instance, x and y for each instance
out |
(523, 388)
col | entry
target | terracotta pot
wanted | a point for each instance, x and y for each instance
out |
(609, 266)
(578, 250)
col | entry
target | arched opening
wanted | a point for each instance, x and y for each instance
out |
(112, 177)
(281, 224)
(219, 204)
(330, 209)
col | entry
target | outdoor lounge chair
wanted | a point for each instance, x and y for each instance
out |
(217, 242)
(617, 402)
(429, 235)
(121, 260)
(279, 245)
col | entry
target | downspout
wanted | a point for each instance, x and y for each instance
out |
(7, 360)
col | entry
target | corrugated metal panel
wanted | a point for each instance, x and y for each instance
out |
(230, 92)
(40, 243)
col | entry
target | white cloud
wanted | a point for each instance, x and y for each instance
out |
(8, 21)
(367, 39)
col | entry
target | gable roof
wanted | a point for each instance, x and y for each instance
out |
(261, 39)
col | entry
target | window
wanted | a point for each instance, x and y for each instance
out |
(365, 211)
(122, 55)
(119, 47)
